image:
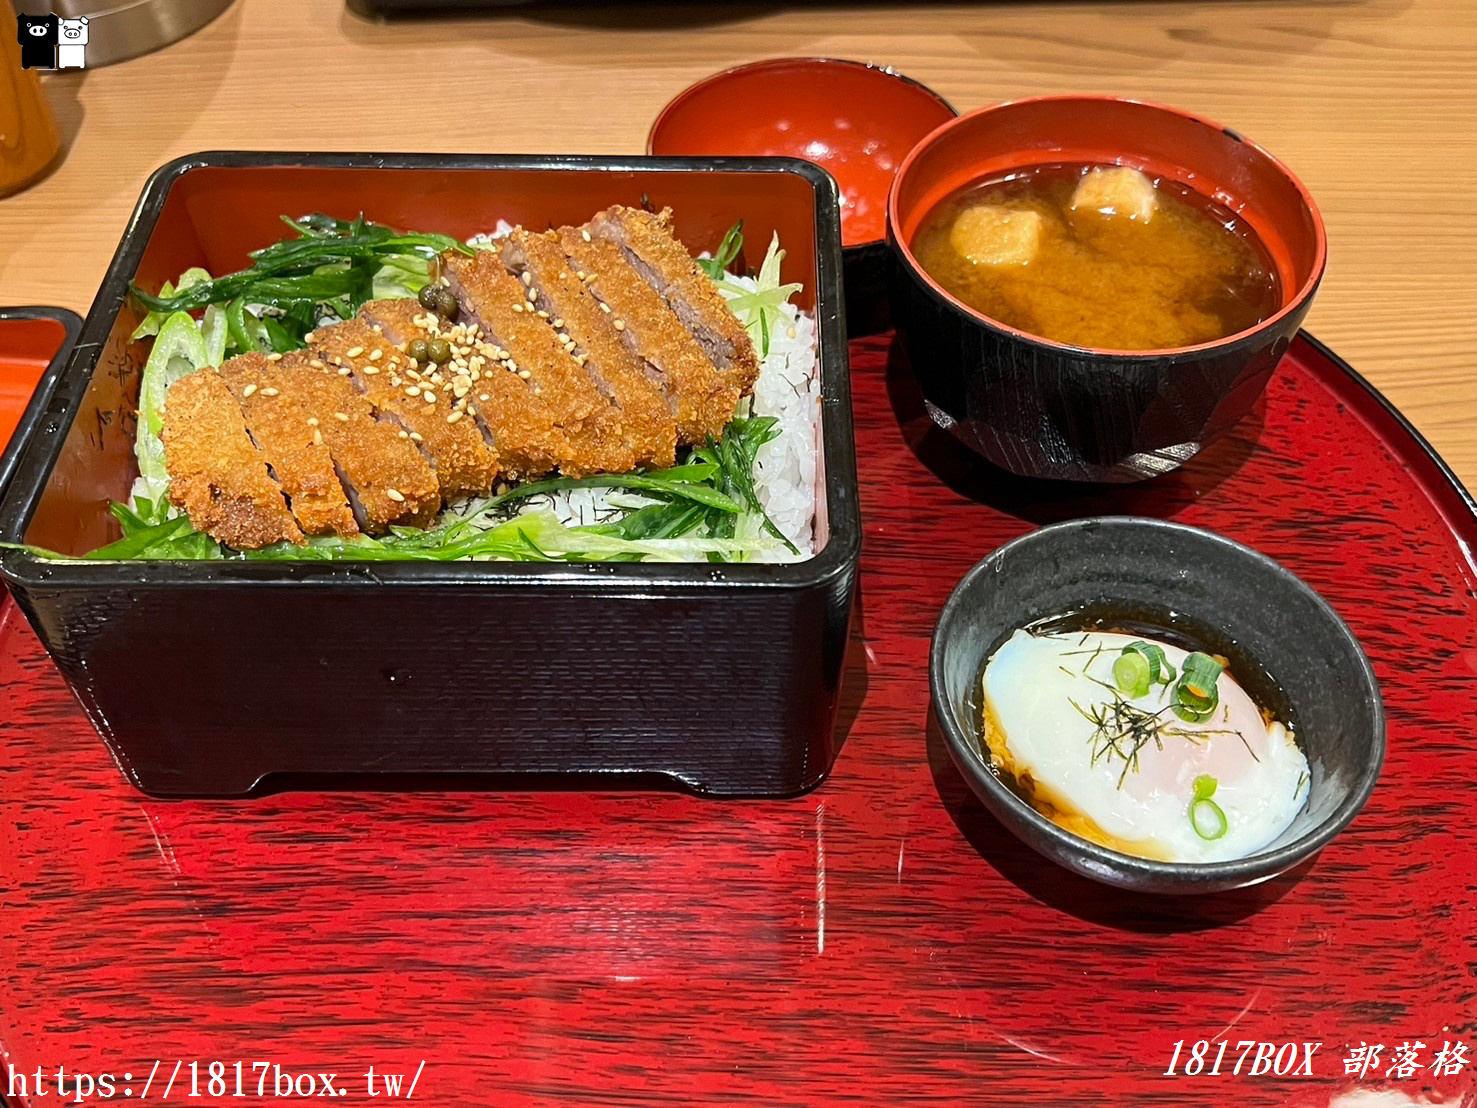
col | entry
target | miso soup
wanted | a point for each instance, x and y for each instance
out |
(1099, 256)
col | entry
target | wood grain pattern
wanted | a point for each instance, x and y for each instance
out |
(1369, 101)
(882, 937)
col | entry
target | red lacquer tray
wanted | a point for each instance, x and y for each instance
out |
(881, 937)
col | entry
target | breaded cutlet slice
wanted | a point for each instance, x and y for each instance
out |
(517, 425)
(500, 307)
(217, 475)
(298, 457)
(385, 477)
(432, 413)
(669, 268)
(587, 330)
(700, 398)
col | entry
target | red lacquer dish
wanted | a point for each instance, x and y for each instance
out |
(880, 937)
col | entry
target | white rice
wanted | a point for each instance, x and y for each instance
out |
(788, 388)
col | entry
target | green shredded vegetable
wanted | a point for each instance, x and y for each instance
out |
(331, 267)
(762, 304)
(717, 266)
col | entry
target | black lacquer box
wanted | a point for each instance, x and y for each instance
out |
(209, 678)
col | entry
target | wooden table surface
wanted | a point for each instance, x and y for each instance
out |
(1370, 101)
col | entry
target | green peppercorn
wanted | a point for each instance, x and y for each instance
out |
(418, 349)
(438, 350)
(429, 297)
(446, 303)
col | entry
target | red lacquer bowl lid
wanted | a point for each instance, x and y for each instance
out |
(857, 120)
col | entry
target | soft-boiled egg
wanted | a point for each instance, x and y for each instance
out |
(1124, 770)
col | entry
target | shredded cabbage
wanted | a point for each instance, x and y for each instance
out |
(179, 350)
(759, 309)
(154, 320)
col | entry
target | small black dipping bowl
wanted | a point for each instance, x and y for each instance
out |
(1045, 409)
(1271, 616)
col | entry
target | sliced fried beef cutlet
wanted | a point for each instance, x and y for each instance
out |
(517, 425)
(299, 458)
(432, 414)
(701, 399)
(217, 474)
(386, 478)
(588, 332)
(501, 307)
(669, 268)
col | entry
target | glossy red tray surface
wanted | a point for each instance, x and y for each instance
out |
(27, 345)
(880, 937)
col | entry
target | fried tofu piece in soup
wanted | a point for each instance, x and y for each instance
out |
(994, 235)
(1116, 192)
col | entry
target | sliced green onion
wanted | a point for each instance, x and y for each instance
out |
(1195, 696)
(1133, 674)
(1206, 816)
(1201, 673)
(1160, 671)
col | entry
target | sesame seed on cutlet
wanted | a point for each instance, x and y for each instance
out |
(523, 373)
(345, 371)
(370, 370)
(274, 357)
(342, 417)
(604, 307)
(527, 278)
(585, 235)
(316, 363)
(482, 396)
(353, 351)
(248, 390)
(620, 325)
(413, 390)
(376, 354)
(428, 396)
(312, 421)
(453, 417)
(396, 495)
(415, 436)
(311, 336)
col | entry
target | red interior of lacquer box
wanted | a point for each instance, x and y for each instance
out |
(215, 216)
(26, 349)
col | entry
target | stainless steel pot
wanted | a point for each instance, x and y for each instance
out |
(119, 29)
